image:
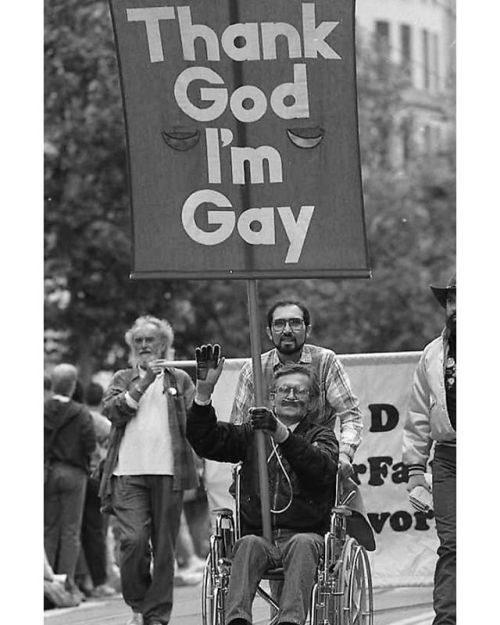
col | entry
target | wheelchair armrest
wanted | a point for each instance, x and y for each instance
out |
(344, 510)
(225, 512)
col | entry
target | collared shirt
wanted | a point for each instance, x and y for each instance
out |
(336, 398)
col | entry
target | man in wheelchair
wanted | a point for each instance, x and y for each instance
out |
(302, 467)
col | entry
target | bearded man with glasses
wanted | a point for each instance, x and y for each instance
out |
(288, 328)
(302, 465)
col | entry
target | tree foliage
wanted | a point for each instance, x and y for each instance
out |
(90, 300)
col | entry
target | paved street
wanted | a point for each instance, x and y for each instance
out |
(401, 606)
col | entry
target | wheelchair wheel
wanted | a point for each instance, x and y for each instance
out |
(358, 593)
(207, 593)
(330, 592)
(212, 596)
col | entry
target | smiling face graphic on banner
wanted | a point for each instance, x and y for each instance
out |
(242, 137)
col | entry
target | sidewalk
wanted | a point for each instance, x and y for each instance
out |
(396, 606)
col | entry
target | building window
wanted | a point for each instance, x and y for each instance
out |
(406, 141)
(425, 58)
(406, 58)
(435, 61)
(382, 34)
(427, 140)
(382, 49)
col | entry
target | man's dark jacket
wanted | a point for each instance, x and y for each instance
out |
(76, 439)
(309, 455)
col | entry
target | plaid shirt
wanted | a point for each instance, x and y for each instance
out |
(335, 399)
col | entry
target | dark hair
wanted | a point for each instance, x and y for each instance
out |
(288, 302)
(93, 394)
(78, 392)
(303, 370)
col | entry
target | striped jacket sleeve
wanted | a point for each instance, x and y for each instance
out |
(417, 439)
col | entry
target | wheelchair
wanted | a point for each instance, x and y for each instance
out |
(342, 593)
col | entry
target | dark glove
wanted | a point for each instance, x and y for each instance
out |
(263, 419)
(207, 357)
(208, 369)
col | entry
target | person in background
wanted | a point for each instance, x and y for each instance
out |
(188, 565)
(288, 328)
(69, 439)
(47, 387)
(94, 523)
(148, 466)
(432, 421)
(78, 394)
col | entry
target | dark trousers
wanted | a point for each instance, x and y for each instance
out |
(94, 528)
(445, 509)
(253, 555)
(148, 513)
(64, 496)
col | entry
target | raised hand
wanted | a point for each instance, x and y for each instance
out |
(154, 368)
(209, 366)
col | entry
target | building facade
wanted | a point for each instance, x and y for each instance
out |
(419, 37)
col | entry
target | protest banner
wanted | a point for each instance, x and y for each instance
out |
(406, 540)
(242, 138)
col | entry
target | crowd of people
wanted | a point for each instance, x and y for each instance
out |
(126, 462)
(80, 540)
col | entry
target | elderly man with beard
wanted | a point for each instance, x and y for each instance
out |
(148, 466)
(432, 420)
(288, 328)
(298, 449)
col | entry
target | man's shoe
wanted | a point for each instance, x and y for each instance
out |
(136, 619)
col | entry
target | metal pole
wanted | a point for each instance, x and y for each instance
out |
(255, 348)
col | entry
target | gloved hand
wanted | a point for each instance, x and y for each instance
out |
(345, 467)
(209, 366)
(263, 419)
(418, 479)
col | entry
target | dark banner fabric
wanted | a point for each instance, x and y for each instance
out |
(242, 136)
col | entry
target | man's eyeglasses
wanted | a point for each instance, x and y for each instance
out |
(295, 323)
(298, 391)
